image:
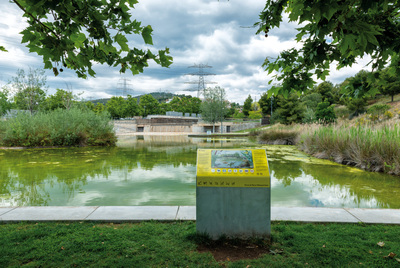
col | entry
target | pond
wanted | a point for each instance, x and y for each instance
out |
(161, 170)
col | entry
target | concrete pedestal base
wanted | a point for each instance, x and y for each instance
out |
(233, 212)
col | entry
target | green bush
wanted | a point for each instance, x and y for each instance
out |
(74, 127)
(325, 112)
(356, 106)
(311, 101)
(291, 110)
(238, 115)
(309, 116)
(342, 112)
(377, 111)
(255, 114)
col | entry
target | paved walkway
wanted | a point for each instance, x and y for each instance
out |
(171, 213)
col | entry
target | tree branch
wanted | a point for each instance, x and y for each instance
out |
(35, 19)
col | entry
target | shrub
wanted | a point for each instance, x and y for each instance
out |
(255, 114)
(73, 127)
(291, 110)
(342, 112)
(238, 115)
(356, 106)
(311, 101)
(325, 112)
(378, 111)
(388, 115)
(309, 116)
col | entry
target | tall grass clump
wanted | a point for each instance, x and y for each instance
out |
(73, 127)
(373, 147)
(280, 134)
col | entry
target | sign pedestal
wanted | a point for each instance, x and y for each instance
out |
(233, 196)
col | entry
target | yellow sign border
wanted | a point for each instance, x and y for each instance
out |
(257, 176)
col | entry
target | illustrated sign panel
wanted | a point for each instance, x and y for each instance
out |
(232, 168)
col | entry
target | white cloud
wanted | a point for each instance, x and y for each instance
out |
(199, 31)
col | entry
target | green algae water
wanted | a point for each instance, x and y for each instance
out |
(161, 170)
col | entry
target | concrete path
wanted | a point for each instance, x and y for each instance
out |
(171, 213)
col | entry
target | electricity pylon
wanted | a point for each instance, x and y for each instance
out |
(200, 73)
(122, 84)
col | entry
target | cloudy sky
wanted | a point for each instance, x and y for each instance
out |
(209, 32)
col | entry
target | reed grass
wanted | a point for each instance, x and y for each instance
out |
(281, 134)
(74, 127)
(369, 146)
(372, 147)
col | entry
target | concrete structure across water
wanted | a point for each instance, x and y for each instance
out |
(175, 124)
(183, 213)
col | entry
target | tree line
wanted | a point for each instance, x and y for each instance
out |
(30, 93)
(325, 102)
(316, 104)
(120, 107)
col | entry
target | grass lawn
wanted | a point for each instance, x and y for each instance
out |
(155, 244)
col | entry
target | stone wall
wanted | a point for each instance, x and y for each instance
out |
(177, 126)
(244, 125)
(169, 128)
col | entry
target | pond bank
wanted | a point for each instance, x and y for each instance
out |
(369, 147)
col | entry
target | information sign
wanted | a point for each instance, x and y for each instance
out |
(232, 168)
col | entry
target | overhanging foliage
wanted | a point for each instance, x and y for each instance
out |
(331, 31)
(75, 34)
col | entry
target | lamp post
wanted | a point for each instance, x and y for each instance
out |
(272, 100)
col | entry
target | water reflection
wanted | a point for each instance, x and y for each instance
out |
(316, 182)
(160, 170)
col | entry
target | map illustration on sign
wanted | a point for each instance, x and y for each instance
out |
(231, 159)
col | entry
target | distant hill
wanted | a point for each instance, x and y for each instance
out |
(160, 96)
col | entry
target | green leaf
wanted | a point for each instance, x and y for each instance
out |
(329, 13)
(132, 2)
(372, 39)
(274, 90)
(91, 72)
(81, 75)
(134, 70)
(363, 41)
(122, 42)
(146, 34)
(48, 65)
(27, 36)
(317, 14)
(78, 39)
(3, 49)
(34, 48)
(165, 60)
(347, 41)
